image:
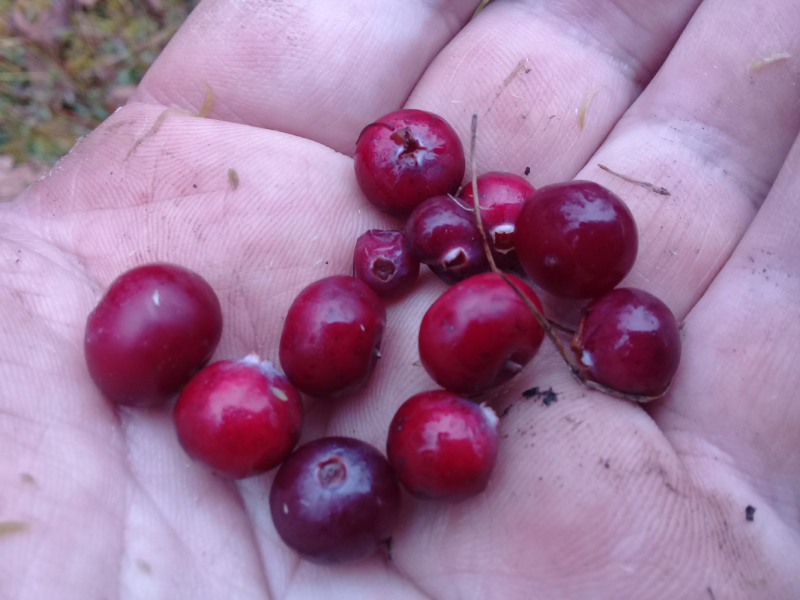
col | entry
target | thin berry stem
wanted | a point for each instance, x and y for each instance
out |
(544, 323)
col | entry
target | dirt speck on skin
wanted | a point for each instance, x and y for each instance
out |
(388, 545)
(750, 513)
(548, 396)
(233, 179)
(521, 68)
(144, 566)
(13, 527)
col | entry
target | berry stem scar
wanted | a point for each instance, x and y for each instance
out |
(648, 186)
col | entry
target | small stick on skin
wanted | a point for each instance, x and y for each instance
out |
(644, 184)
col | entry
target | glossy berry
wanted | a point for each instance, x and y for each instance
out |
(382, 260)
(154, 328)
(444, 236)
(479, 334)
(576, 239)
(239, 417)
(441, 446)
(406, 157)
(500, 197)
(630, 342)
(335, 500)
(332, 335)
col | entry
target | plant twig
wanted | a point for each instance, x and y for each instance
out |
(549, 329)
(544, 323)
(644, 184)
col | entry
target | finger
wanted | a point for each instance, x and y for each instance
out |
(549, 79)
(734, 408)
(319, 70)
(713, 128)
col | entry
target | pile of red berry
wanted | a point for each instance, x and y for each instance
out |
(337, 499)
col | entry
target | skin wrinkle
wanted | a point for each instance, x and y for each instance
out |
(609, 42)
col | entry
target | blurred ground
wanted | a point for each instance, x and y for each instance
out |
(65, 65)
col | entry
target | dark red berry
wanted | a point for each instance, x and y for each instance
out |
(406, 157)
(240, 417)
(154, 328)
(335, 500)
(630, 342)
(576, 239)
(501, 196)
(479, 334)
(441, 446)
(444, 236)
(382, 260)
(332, 335)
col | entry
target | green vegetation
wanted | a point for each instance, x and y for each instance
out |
(64, 64)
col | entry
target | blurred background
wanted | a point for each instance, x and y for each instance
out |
(65, 65)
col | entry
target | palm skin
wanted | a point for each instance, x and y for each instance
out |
(592, 497)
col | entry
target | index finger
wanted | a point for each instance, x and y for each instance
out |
(320, 70)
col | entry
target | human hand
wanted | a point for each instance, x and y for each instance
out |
(591, 497)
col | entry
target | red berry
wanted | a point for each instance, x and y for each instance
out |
(501, 196)
(240, 417)
(154, 328)
(479, 334)
(406, 157)
(442, 446)
(576, 239)
(331, 337)
(335, 500)
(630, 342)
(382, 260)
(444, 236)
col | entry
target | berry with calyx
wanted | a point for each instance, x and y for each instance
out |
(239, 417)
(155, 327)
(335, 500)
(442, 446)
(501, 196)
(331, 337)
(406, 157)
(444, 236)
(629, 341)
(382, 260)
(576, 239)
(479, 334)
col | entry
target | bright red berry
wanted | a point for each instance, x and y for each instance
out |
(382, 260)
(630, 342)
(332, 335)
(444, 236)
(406, 157)
(240, 417)
(335, 500)
(154, 328)
(501, 196)
(479, 334)
(576, 239)
(442, 446)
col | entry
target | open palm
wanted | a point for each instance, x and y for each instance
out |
(592, 497)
